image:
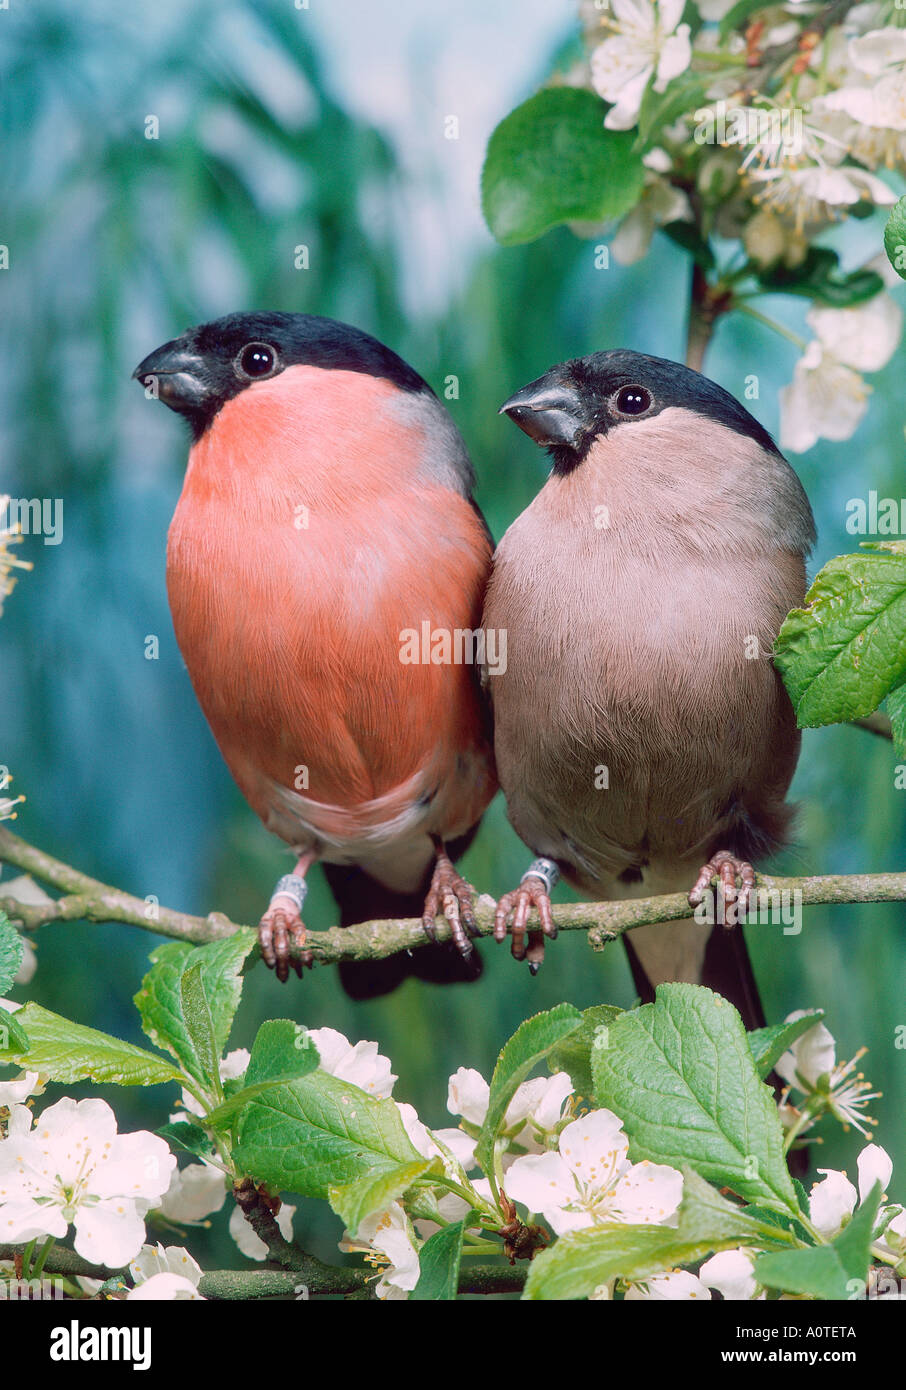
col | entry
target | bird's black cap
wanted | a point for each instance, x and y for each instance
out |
(572, 404)
(198, 372)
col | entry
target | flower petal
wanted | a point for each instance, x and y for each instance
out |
(874, 1165)
(731, 1273)
(675, 1284)
(647, 1193)
(542, 1182)
(832, 1201)
(110, 1232)
(467, 1095)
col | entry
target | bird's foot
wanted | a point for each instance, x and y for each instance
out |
(282, 925)
(726, 868)
(533, 892)
(450, 896)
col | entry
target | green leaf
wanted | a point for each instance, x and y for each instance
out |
(895, 237)
(281, 1051)
(817, 277)
(680, 1074)
(841, 654)
(12, 949)
(68, 1052)
(439, 1259)
(317, 1132)
(188, 1136)
(769, 1044)
(683, 96)
(200, 1025)
(355, 1201)
(573, 1055)
(529, 1045)
(159, 1001)
(552, 161)
(825, 1271)
(13, 1037)
(782, 1222)
(581, 1260)
(706, 1215)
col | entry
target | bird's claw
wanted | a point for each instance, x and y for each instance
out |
(726, 868)
(279, 926)
(450, 896)
(532, 892)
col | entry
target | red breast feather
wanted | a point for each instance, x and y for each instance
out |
(308, 537)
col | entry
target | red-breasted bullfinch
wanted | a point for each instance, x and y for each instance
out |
(644, 740)
(326, 515)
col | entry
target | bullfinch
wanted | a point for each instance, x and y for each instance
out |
(644, 741)
(326, 517)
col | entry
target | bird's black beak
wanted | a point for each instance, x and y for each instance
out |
(177, 376)
(550, 411)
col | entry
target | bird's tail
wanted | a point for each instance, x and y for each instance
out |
(361, 899)
(724, 967)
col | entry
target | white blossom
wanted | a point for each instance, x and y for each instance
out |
(73, 1169)
(27, 1083)
(252, 1245)
(164, 1273)
(590, 1180)
(532, 1115)
(648, 42)
(195, 1192)
(169, 1287)
(731, 1273)
(386, 1240)
(361, 1065)
(828, 397)
(818, 192)
(810, 1066)
(875, 94)
(833, 1200)
(825, 400)
(673, 1284)
(660, 203)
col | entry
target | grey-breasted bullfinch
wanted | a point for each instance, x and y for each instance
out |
(644, 740)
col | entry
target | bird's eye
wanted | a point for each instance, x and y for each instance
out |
(257, 360)
(632, 400)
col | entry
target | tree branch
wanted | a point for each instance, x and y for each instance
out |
(86, 899)
(309, 1278)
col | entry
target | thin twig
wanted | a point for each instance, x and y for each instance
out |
(310, 1277)
(604, 922)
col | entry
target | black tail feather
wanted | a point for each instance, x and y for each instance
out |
(726, 969)
(361, 899)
